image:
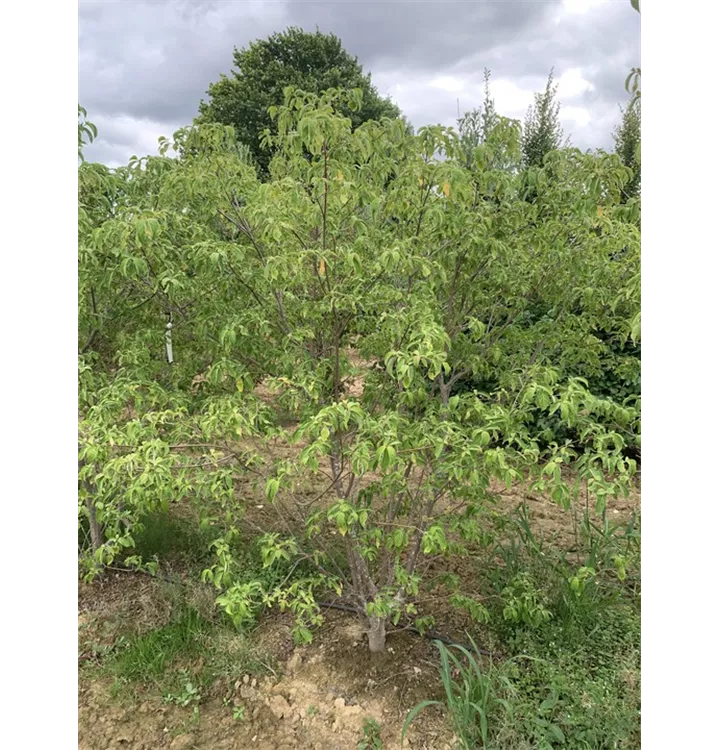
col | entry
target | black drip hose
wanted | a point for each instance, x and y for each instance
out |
(428, 634)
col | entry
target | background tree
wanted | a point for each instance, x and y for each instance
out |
(496, 137)
(542, 130)
(311, 61)
(476, 125)
(627, 138)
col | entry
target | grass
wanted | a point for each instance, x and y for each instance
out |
(570, 627)
(199, 645)
(172, 538)
(182, 660)
(535, 702)
(145, 658)
(471, 695)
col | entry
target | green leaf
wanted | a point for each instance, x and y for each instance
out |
(636, 327)
(272, 488)
(413, 714)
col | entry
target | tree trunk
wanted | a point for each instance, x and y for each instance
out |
(377, 634)
(95, 529)
(96, 536)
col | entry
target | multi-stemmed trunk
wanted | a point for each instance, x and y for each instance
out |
(376, 633)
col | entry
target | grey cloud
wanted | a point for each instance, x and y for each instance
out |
(157, 59)
(418, 36)
(152, 61)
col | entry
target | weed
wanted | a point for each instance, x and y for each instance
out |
(470, 697)
(235, 653)
(371, 739)
(524, 603)
(189, 694)
(574, 680)
(238, 713)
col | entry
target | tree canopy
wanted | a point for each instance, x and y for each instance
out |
(311, 61)
(542, 130)
(627, 139)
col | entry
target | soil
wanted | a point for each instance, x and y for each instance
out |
(318, 698)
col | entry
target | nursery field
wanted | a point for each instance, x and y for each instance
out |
(359, 436)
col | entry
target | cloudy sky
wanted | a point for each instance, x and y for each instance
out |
(144, 65)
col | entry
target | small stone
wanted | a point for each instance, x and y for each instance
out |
(279, 688)
(279, 706)
(294, 662)
(339, 703)
(182, 742)
(254, 682)
(245, 679)
(417, 670)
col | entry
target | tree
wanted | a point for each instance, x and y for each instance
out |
(311, 61)
(542, 131)
(631, 125)
(85, 130)
(488, 141)
(476, 125)
(276, 282)
(627, 139)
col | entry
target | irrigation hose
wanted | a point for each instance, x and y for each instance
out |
(430, 635)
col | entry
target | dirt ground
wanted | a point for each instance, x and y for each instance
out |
(318, 697)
